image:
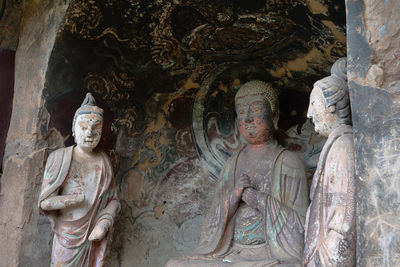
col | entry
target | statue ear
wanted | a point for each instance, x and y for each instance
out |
(331, 108)
(275, 120)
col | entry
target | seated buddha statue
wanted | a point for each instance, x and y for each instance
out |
(258, 212)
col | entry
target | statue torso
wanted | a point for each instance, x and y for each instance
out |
(258, 165)
(83, 178)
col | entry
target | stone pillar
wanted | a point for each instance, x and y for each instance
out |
(373, 37)
(21, 240)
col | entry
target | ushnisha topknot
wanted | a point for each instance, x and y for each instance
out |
(88, 106)
(257, 87)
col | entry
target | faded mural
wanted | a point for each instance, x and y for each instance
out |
(166, 73)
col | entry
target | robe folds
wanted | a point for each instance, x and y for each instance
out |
(331, 217)
(283, 214)
(71, 246)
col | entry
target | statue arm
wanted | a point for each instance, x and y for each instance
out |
(57, 167)
(341, 188)
(109, 213)
(284, 209)
(242, 185)
(106, 217)
(56, 202)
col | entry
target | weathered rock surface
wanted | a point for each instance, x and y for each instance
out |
(374, 73)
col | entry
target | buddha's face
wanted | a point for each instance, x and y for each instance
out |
(87, 131)
(254, 119)
(324, 120)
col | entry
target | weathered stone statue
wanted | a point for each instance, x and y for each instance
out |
(331, 228)
(78, 194)
(258, 212)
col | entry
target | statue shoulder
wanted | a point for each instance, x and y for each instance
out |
(57, 155)
(228, 166)
(343, 144)
(104, 156)
(291, 162)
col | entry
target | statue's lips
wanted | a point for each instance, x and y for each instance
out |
(250, 128)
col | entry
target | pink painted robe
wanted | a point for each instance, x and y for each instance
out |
(71, 246)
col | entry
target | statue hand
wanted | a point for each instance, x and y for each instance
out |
(244, 182)
(99, 231)
(250, 197)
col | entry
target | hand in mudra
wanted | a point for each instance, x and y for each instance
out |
(244, 182)
(250, 197)
(99, 231)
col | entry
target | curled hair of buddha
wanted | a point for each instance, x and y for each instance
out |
(257, 87)
(88, 106)
(335, 91)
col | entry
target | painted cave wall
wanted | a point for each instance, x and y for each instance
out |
(166, 73)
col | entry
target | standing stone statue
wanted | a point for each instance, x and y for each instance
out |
(331, 222)
(258, 212)
(78, 193)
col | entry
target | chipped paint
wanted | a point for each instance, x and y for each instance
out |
(159, 210)
(382, 31)
(135, 182)
(332, 27)
(301, 64)
(316, 7)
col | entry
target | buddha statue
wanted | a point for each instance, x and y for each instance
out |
(78, 193)
(258, 212)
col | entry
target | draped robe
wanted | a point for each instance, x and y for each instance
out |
(71, 246)
(331, 222)
(283, 214)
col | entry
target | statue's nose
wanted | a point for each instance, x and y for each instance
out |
(309, 115)
(248, 119)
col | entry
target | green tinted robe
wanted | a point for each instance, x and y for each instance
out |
(283, 214)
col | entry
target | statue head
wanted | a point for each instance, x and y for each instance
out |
(256, 104)
(87, 124)
(329, 100)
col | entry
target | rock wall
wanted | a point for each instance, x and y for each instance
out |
(10, 21)
(374, 79)
(24, 235)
